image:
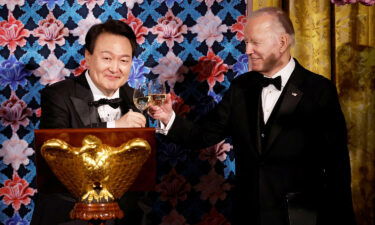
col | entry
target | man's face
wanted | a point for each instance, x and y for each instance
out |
(262, 45)
(109, 65)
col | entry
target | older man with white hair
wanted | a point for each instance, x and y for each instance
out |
(288, 132)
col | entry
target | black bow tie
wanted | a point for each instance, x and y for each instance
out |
(114, 103)
(274, 81)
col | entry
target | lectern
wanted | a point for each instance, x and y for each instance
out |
(96, 165)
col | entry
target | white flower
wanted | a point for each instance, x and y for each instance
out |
(51, 70)
(11, 4)
(15, 152)
(209, 3)
(171, 69)
(91, 3)
(209, 28)
(130, 3)
(83, 26)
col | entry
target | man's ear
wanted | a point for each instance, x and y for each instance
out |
(88, 58)
(284, 42)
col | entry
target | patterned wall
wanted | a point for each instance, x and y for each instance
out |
(194, 45)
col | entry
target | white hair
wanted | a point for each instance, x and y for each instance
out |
(281, 23)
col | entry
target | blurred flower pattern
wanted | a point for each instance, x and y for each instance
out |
(209, 28)
(51, 32)
(344, 2)
(51, 70)
(213, 187)
(137, 26)
(210, 68)
(11, 4)
(13, 73)
(16, 192)
(13, 33)
(138, 72)
(171, 69)
(15, 152)
(169, 29)
(186, 44)
(14, 112)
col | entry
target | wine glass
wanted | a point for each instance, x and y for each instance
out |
(158, 94)
(141, 97)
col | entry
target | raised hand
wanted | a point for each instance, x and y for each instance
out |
(162, 112)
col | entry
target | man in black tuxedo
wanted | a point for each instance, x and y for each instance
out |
(109, 49)
(99, 97)
(288, 132)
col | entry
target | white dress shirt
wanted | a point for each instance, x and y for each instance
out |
(270, 94)
(165, 128)
(106, 113)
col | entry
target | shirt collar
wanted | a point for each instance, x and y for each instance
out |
(285, 72)
(98, 94)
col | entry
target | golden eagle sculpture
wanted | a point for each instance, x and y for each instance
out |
(96, 174)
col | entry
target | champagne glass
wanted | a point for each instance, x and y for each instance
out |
(158, 94)
(141, 97)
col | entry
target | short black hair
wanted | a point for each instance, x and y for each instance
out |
(113, 27)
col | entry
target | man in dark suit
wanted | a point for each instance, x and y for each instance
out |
(109, 49)
(99, 97)
(288, 133)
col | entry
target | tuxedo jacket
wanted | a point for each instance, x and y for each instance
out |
(305, 153)
(65, 104)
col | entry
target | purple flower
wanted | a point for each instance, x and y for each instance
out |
(51, 3)
(215, 96)
(16, 220)
(13, 73)
(367, 2)
(14, 112)
(242, 65)
(137, 72)
(343, 2)
(169, 3)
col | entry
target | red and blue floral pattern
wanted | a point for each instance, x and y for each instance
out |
(195, 46)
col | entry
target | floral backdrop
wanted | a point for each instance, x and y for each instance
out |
(194, 45)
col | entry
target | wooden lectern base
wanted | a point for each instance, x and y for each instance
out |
(96, 213)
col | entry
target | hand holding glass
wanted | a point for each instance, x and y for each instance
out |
(157, 93)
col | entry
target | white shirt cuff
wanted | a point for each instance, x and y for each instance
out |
(165, 129)
(111, 124)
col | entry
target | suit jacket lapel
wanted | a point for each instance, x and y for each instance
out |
(258, 119)
(80, 101)
(252, 96)
(126, 94)
(290, 99)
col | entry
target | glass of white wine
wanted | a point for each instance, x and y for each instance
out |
(157, 93)
(141, 96)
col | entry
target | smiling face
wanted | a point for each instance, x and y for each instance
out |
(265, 48)
(110, 63)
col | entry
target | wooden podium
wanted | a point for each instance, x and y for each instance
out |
(48, 183)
